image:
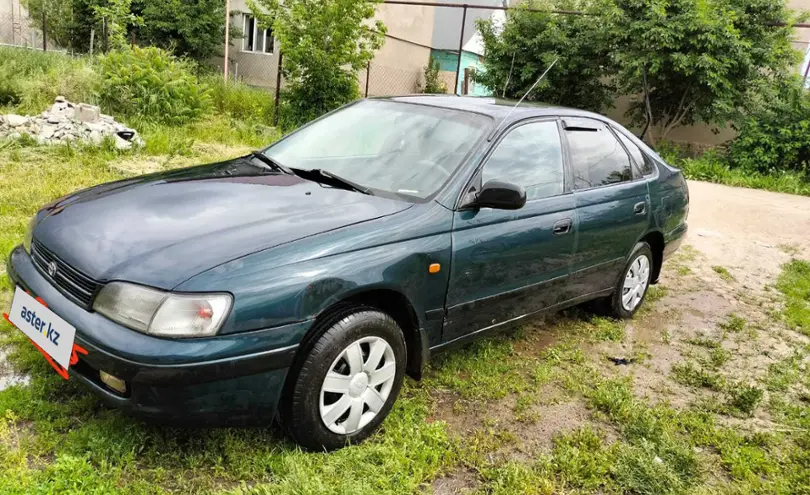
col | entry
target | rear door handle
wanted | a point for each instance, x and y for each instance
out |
(562, 227)
(640, 208)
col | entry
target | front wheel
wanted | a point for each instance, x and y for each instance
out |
(347, 383)
(632, 286)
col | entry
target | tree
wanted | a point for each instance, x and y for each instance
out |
(70, 22)
(324, 44)
(689, 61)
(190, 28)
(517, 53)
(116, 16)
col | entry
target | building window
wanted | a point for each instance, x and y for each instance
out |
(256, 40)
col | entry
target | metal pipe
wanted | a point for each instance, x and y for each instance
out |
(806, 71)
(278, 88)
(485, 7)
(552, 11)
(460, 46)
(227, 37)
(368, 76)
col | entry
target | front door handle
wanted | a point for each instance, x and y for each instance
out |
(562, 227)
(640, 208)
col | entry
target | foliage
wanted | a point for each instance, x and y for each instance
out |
(433, 84)
(794, 283)
(695, 61)
(240, 101)
(115, 16)
(744, 398)
(776, 137)
(152, 84)
(188, 28)
(714, 167)
(324, 44)
(60, 19)
(30, 79)
(529, 42)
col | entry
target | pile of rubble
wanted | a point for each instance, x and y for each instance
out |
(66, 122)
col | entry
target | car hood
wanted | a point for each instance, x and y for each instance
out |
(162, 229)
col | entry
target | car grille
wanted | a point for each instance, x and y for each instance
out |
(71, 282)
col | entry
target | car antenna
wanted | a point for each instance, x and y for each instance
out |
(521, 99)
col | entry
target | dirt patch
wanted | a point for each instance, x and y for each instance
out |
(457, 482)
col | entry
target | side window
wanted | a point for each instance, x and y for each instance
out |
(530, 156)
(597, 158)
(644, 163)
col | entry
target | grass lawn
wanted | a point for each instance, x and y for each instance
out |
(465, 426)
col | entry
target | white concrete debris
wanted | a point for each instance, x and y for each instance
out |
(67, 122)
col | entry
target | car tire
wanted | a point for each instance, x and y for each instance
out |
(342, 389)
(635, 278)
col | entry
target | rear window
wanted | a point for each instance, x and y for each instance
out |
(643, 162)
(597, 158)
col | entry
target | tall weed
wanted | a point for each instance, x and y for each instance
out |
(152, 84)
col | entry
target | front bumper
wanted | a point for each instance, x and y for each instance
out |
(223, 380)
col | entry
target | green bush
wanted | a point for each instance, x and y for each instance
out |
(714, 166)
(240, 101)
(775, 138)
(433, 83)
(153, 85)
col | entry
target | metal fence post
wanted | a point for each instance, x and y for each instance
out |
(227, 39)
(460, 46)
(278, 88)
(44, 36)
(368, 76)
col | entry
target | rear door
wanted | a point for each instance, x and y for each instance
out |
(507, 264)
(612, 201)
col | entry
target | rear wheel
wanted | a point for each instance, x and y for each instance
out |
(347, 383)
(631, 288)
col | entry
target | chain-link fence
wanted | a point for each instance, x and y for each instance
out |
(17, 28)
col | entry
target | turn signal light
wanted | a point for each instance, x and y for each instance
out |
(434, 268)
(113, 382)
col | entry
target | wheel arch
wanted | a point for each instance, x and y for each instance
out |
(655, 240)
(389, 301)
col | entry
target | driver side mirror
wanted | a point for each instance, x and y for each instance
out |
(501, 195)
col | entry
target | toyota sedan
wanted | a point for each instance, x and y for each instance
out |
(303, 282)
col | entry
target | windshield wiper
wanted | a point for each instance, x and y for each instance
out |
(270, 162)
(346, 183)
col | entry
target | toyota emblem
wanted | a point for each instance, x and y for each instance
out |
(52, 269)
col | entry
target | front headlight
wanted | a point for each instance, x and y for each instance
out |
(163, 314)
(29, 234)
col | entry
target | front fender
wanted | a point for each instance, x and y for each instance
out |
(268, 295)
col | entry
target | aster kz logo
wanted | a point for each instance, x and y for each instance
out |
(74, 353)
(52, 269)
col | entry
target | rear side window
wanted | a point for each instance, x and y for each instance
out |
(642, 161)
(597, 158)
(530, 156)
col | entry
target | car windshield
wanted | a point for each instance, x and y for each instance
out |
(405, 149)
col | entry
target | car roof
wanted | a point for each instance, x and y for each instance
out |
(497, 108)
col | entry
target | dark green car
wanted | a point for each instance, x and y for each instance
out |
(305, 281)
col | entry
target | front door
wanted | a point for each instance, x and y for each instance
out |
(507, 264)
(613, 205)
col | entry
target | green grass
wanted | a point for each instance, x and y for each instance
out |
(734, 323)
(724, 273)
(794, 283)
(689, 373)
